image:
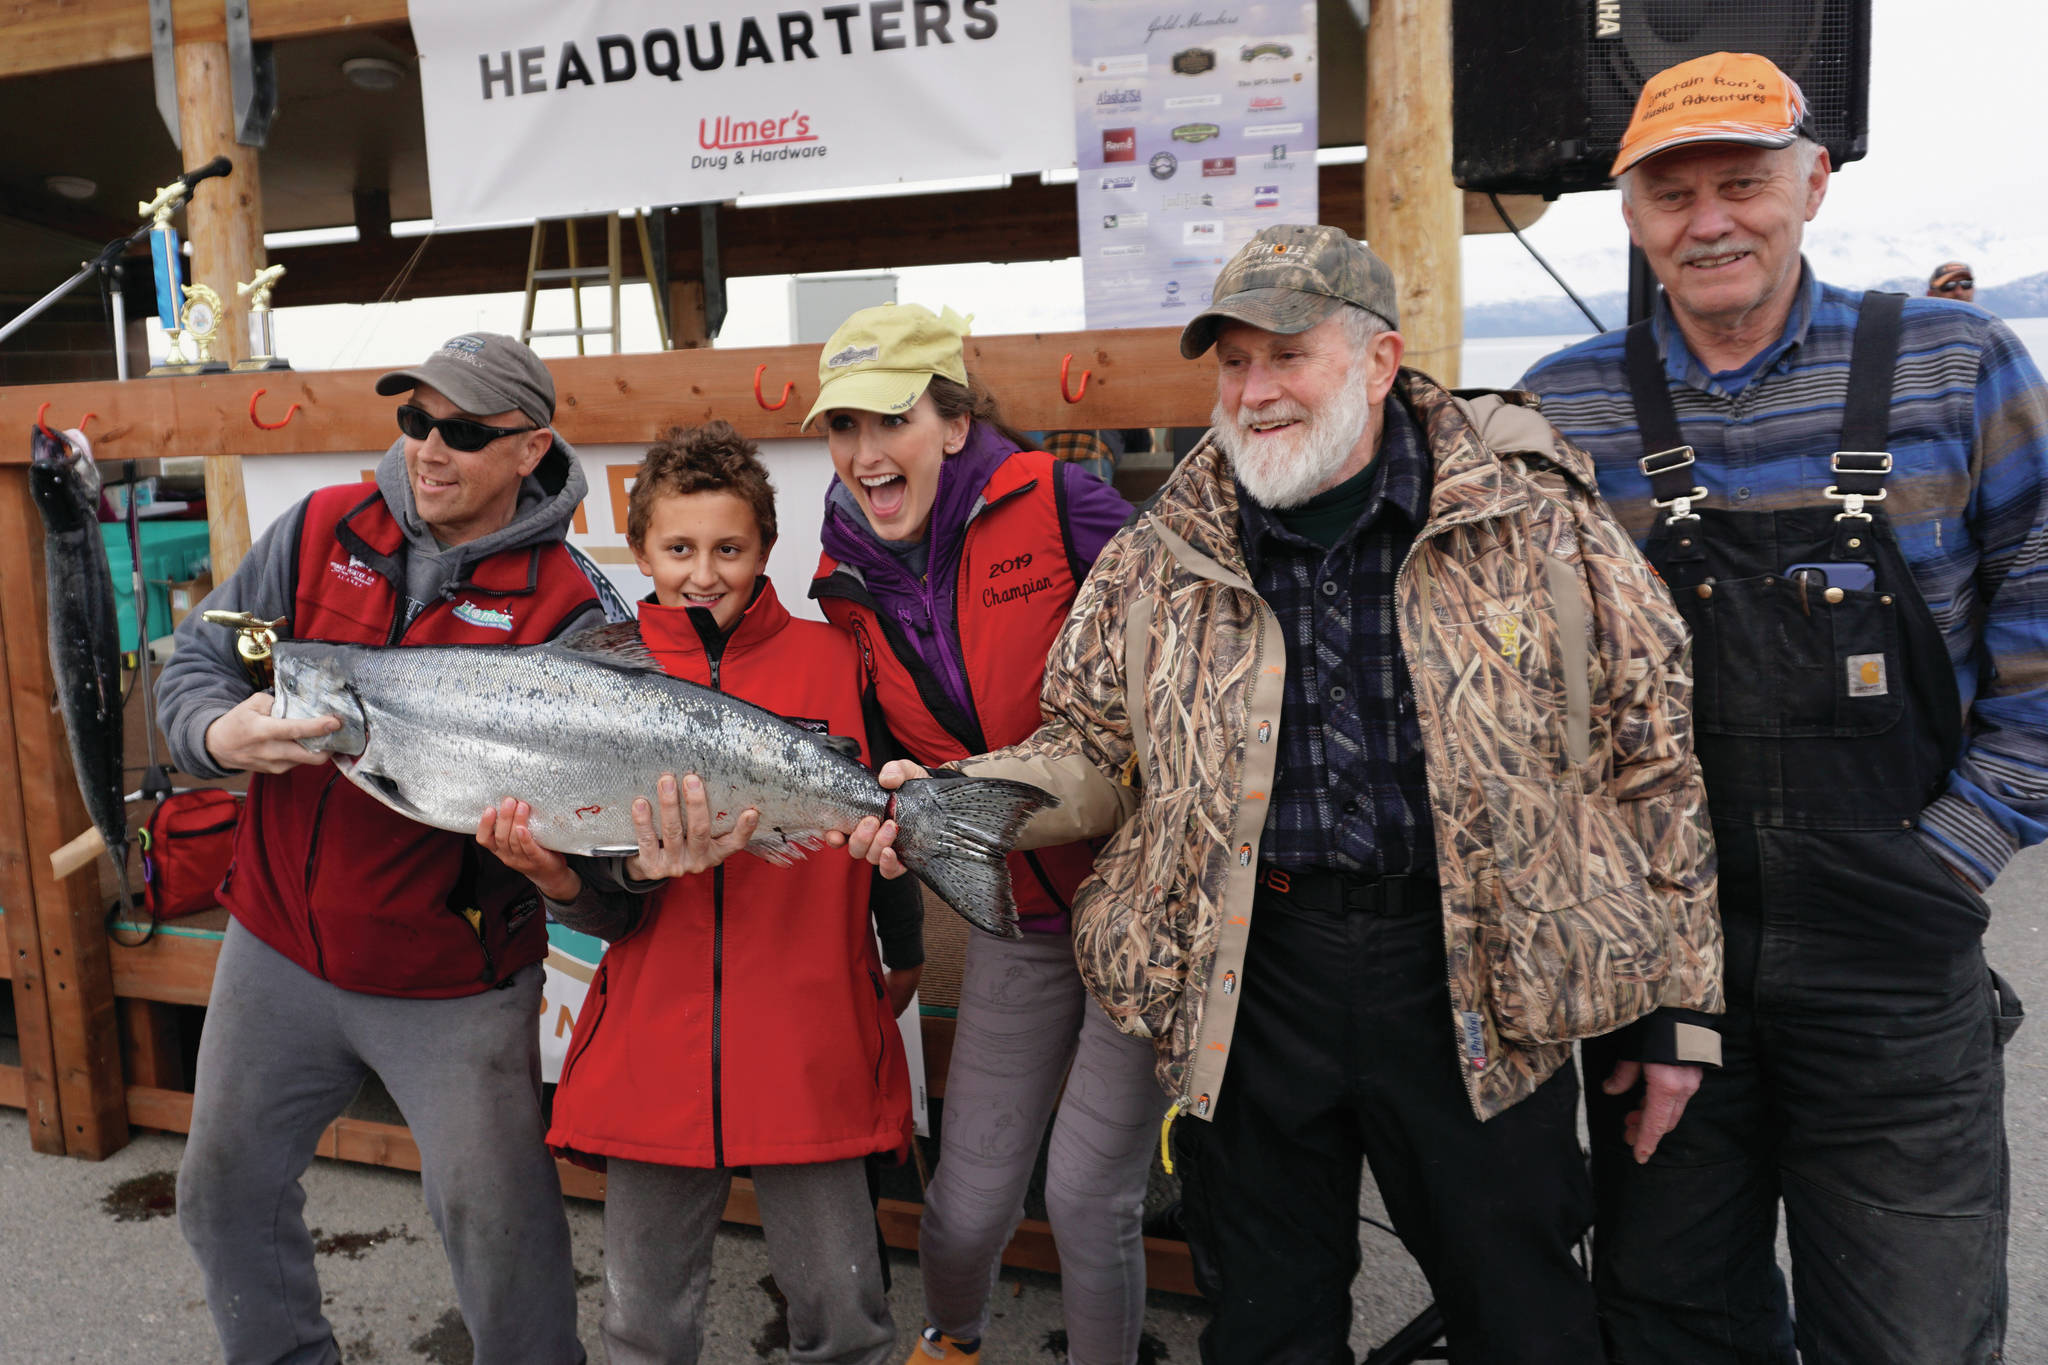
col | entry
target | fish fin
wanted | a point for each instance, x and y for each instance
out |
(782, 848)
(617, 645)
(955, 835)
(386, 789)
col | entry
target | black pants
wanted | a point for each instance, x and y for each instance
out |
(1861, 1085)
(1343, 1052)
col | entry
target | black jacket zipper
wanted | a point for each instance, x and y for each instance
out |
(714, 641)
(313, 857)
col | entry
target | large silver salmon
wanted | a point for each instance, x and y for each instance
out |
(85, 651)
(579, 728)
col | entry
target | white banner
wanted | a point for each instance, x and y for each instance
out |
(1195, 126)
(549, 108)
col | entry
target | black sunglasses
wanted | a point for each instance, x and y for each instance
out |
(458, 432)
(1951, 286)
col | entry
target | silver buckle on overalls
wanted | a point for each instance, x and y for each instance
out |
(1852, 503)
(1663, 462)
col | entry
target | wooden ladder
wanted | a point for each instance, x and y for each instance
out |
(577, 275)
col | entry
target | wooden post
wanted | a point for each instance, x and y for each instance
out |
(24, 943)
(224, 222)
(77, 977)
(1414, 211)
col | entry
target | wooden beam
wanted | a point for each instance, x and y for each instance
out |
(23, 948)
(79, 989)
(226, 232)
(55, 35)
(1136, 378)
(1414, 211)
(13, 1091)
(174, 968)
(150, 1051)
(1026, 222)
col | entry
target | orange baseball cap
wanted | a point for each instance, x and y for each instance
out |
(1721, 97)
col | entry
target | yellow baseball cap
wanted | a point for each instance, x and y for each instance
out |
(1721, 97)
(883, 358)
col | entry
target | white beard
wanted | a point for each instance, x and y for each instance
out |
(1287, 470)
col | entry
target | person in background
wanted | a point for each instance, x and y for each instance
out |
(740, 1016)
(361, 941)
(1848, 494)
(1392, 725)
(1952, 280)
(951, 555)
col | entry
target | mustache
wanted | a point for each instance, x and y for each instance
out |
(1246, 418)
(1692, 255)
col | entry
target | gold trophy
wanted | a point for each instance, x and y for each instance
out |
(262, 341)
(199, 323)
(253, 638)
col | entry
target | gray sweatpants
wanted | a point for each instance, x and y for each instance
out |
(1024, 1016)
(659, 1225)
(282, 1054)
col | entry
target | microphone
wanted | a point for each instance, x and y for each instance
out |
(220, 165)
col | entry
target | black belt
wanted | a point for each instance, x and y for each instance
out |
(1351, 892)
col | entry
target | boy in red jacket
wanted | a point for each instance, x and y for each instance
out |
(741, 1015)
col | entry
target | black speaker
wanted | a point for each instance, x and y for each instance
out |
(1542, 89)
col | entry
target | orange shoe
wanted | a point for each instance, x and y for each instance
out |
(932, 1344)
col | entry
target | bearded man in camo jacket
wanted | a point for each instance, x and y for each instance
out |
(1387, 724)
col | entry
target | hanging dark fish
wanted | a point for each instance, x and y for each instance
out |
(85, 648)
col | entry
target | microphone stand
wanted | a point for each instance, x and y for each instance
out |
(107, 264)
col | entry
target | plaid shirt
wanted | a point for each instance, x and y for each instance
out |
(1967, 496)
(1351, 792)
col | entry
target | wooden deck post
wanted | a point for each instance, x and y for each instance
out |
(224, 222)
(1414, 211)
(24, 943)
(77, 982)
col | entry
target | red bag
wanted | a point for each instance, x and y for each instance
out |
(186, 847)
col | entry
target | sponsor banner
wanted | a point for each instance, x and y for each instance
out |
(549, 108)
(801, 471)
(1195, 126)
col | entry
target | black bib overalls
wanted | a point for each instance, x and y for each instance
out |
(1861, 1081)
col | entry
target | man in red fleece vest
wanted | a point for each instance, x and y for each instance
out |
(361, 941)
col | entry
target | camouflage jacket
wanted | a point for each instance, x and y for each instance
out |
(1551, 674)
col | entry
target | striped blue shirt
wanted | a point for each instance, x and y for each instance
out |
(1967, 497)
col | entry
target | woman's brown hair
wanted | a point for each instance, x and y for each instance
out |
(712, 458)
(972, 400)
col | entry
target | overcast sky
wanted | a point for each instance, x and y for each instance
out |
(1955, 170)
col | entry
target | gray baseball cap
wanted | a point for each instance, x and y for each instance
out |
(484, 373)
(1289, 278)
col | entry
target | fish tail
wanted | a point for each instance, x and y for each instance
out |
(123, 912)
(955, 834)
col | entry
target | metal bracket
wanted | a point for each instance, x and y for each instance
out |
(252, 78)
(714, 273)
(163, 59)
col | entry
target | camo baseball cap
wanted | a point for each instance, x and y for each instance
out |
(883, 358)
(1289, 278)
(482, 373)
(1721, 97)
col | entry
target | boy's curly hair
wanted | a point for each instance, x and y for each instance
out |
(712, 458)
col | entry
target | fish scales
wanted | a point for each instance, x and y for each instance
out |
(579, 729)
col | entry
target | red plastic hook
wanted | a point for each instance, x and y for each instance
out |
(87, 418)
(1074, 397)
(289, 413)
(43, 426)
(788, 388)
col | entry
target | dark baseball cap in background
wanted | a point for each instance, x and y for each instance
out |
(1289, 278)
(483, 374)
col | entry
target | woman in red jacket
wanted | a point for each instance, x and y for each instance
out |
(952, 553)
(741, 1015)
